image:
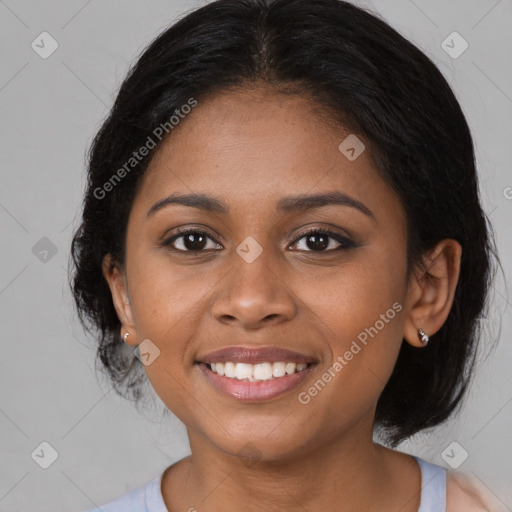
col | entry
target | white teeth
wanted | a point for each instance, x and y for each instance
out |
(256, 372)
(290, 368)
(279, 369)
(230, 370)
(243, 371)
(262, 371)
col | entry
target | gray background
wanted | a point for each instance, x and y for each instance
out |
(51, 108)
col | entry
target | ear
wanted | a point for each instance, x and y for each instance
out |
(431, 289)
(116, 280)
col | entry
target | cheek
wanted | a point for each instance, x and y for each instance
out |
(352, 297)
(165, 311)
(359, 308)
(169, 303)
(166, 298)
(162, 308)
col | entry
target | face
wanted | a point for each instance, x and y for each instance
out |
(326, 280)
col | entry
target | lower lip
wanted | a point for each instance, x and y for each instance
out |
(246, 391)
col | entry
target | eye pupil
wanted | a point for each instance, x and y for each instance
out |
(322, 244)
(194, 241)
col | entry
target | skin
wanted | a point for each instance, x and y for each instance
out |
(249, 149)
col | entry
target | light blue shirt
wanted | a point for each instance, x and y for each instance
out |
(148, 498)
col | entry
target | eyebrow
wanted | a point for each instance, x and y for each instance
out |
(285, 205)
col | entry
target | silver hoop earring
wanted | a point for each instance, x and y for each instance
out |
(423, 337)
(125, 337)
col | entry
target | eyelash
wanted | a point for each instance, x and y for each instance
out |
(344, 242)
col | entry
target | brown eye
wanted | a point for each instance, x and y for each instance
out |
(191, 240)
(323, 241)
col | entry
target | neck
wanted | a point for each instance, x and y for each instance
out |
(349, 473)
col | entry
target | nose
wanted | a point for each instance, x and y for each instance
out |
(254, 295)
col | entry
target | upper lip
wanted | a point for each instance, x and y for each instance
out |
(252, 355)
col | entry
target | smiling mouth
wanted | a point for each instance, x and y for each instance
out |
(255, 374)
(255, 382)
(259, 372)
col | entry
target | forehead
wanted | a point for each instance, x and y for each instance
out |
(251, 146)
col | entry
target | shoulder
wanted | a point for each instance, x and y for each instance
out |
(463, 494)
(143, 499)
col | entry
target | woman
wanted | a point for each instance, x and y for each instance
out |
(280, 224)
